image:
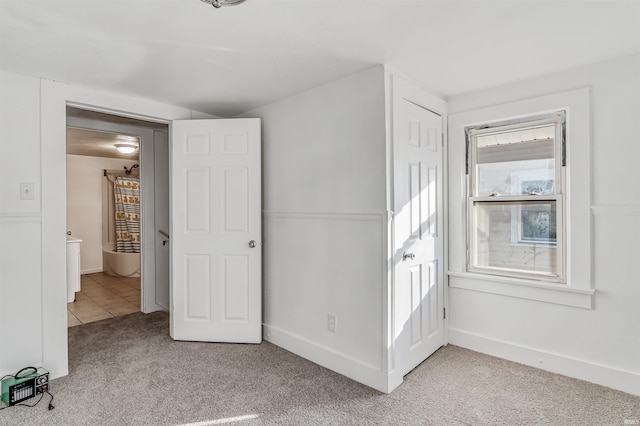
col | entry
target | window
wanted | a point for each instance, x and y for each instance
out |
(516, 198)
(565, 277)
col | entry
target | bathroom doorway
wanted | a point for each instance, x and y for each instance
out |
(123, 263)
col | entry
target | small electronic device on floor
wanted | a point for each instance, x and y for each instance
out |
(25, 384)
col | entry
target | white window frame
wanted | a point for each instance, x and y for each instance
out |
(577, 290)
(558, 119)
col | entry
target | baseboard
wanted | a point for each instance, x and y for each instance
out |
(90, 271)
(625, 381)
(328, 358)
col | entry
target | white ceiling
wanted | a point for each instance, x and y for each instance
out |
(96, 144)
(227, 61)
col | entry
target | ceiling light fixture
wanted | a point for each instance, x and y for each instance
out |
(126, 148)
(223, 3)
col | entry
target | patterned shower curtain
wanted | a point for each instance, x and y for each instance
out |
(127, 202)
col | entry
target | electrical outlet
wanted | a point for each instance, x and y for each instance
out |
(26, 191)
(331, 323)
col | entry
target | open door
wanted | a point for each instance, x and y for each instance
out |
(216, 231)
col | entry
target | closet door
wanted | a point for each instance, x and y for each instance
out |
(418, 231)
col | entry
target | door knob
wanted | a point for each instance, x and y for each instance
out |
(406, 256)
(252, 244)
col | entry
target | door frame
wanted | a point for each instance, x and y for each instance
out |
(54, 98)
(147, 179)
(398, 88)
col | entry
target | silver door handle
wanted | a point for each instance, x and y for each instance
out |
(406, 256)
(252, 244)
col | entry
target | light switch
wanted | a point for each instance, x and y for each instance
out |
(26, 191)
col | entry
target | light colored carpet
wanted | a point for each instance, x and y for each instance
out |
(128, 371)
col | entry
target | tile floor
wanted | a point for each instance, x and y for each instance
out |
(103, 296)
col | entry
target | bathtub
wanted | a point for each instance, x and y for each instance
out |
(120, 264)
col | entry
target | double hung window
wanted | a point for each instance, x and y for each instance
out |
(516, 198)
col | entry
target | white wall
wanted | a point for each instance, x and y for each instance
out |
(20, 223)
(32, 233)
(85, 204)
(325, 148)
(324, 171)
(602, 344)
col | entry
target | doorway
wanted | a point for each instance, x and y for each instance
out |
(113, 282)
(55, 98)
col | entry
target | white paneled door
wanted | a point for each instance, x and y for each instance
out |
(216, 231)
(418, 234)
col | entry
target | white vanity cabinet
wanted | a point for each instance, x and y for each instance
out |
(73, 268)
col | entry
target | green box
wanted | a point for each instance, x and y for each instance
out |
(38, 383)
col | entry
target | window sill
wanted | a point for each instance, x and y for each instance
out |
(559, 294)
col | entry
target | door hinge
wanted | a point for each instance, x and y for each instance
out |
(444, 313)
